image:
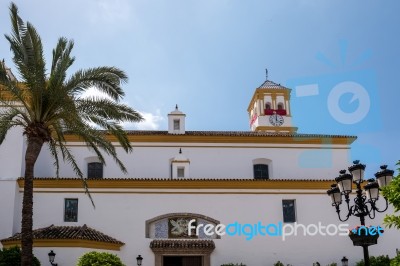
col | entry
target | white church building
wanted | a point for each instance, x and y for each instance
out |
(181, 181)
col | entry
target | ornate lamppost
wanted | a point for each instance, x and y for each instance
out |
(345, 261)
(364, 202)
(139, 260)
(52, 256)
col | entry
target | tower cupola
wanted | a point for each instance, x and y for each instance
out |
(269, 108)
(176, 122)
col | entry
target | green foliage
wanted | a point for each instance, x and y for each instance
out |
(12, 257)
(395, 261)
(279, 263)
(392, 220)
(332, 264)
(95, 258)
(376, 261)
(392, 193)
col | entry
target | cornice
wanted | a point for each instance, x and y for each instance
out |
(179, 184)
(276, 139)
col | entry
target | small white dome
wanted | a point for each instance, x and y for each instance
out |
(176, 111)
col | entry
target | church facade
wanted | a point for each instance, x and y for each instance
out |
(193, 198)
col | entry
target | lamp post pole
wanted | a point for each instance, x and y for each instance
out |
(365, 201)
(362, 220)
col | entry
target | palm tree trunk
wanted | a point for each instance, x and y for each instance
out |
(32, 153)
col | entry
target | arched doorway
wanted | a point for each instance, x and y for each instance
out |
(174, 245)
(182, 260)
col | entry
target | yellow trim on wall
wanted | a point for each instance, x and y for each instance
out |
(75, 243)
(181, 184)
(228, 139)
(225, 146)
(6, 96)
(192, 192)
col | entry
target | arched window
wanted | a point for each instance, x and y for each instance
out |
(95, 170)
(260, 171)
(268, 106)
(280, 106)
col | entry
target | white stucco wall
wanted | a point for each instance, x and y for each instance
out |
(152, 160)
(12, 155)
(123, 216)
(8, 197)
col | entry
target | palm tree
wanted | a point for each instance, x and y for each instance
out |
(51, 105)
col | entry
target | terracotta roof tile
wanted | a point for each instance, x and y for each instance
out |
(236, 133)
(231, 134)
(271, 85)
(68, 232)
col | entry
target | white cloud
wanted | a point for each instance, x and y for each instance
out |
(151, 121)
(93, 92)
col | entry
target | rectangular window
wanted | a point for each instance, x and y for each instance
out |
(181, 172)
(261, 171)
(177, 124)
(289, 211)
(71, 210)
(95, 170)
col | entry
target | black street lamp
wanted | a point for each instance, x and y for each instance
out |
(345, 261)
(52, 256)
(139, 260)
(365, 201)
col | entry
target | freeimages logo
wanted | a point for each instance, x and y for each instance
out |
(345, 102)
(272, 229)
(342, 102)
(367, 231)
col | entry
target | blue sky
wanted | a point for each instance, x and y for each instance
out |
(209, 56)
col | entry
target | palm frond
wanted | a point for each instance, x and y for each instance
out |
(105, 79)
(62, 60)
(8, 121)
(71, 160)
(54, 153)
(107, 109)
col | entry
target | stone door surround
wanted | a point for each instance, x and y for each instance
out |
(182, 247)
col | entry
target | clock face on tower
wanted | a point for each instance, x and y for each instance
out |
(276, 120)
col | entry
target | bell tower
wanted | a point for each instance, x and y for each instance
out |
(269, 108)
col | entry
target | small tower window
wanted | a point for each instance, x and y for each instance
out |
(280, 106)
(268, 106)
(95, 170)
(261, 171)
(181, 172)
(177, 124)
